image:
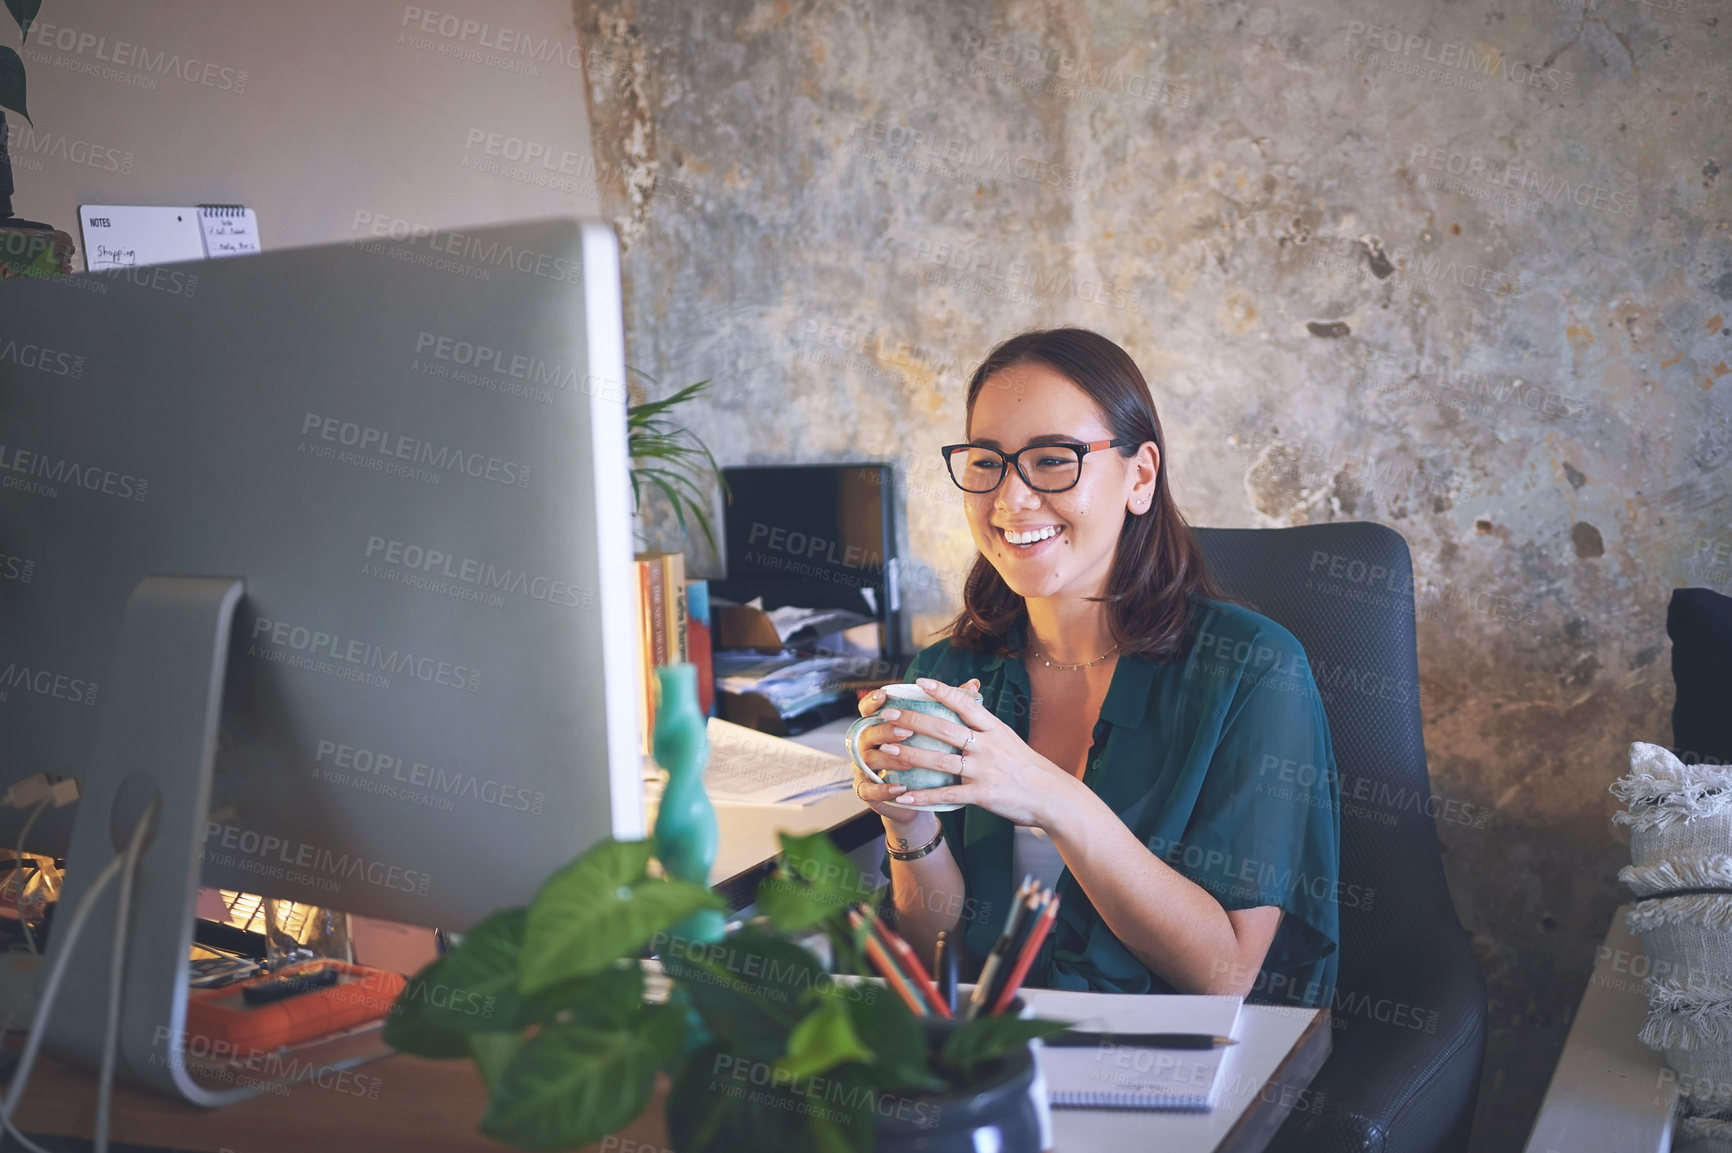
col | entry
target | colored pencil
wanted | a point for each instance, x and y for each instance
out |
(910, 962)
(1030, 948)
(1032, 906)
(887, 968)
(977, 999)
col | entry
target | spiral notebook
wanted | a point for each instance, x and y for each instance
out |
(1124, 1077)
(137, 235)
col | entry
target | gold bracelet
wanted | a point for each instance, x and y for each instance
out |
(915, 854)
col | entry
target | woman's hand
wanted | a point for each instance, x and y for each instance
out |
(872, 738)
(999, 771)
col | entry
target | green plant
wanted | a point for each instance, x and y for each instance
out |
(549, 1001)
(12, 94)
(670, 457)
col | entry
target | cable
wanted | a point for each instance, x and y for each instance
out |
(117, 976)
(51, 987)
(19, 869)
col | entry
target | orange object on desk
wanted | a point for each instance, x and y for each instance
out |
(361, 995)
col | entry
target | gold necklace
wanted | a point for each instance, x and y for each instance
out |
(1068, 668)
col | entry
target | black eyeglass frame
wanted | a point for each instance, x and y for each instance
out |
(1006, 459)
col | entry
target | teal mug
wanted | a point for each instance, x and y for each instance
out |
(910, 698)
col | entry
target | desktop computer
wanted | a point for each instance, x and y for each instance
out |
(320, 572)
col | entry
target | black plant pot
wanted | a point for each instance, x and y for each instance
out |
(995, 1112)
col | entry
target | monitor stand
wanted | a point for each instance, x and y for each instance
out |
(156, 739)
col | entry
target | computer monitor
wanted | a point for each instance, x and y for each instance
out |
(348, 524)
(816, 536)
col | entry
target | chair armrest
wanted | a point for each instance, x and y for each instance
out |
(1409, 1047)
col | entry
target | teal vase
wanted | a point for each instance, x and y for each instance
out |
(685, 831)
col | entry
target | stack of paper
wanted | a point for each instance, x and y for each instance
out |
(790, 682)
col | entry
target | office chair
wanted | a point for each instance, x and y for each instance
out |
(1391, 1084)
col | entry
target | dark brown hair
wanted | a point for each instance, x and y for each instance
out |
(1157, 567)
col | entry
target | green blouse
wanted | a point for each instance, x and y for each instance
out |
(1219, 762)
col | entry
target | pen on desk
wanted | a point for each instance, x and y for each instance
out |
(945, 966)
(994, 959)
(910, 964)
(1075, 1038)
(1030, 947)
(887, 968)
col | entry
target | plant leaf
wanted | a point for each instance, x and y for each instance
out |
(571, 1084)
(709, 1111)
(747, 988)
(987, 1038)
(846, 1123)
(824, 1040)
(722, 1103)
(884, 1024)
(472, 989)
(12, 83)
(493, 1052)
(24, 11)
(814, 880)
(604, 1000)
(599, 908)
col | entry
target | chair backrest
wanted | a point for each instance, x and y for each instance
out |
(1345, 590)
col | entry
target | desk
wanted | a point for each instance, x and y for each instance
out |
(1264, 1078)
(435, 1106)
(1607, 1092)
(406, 1102)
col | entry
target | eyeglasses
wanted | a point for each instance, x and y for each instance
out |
(1052, 468)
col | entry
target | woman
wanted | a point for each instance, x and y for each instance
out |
(1157, 753)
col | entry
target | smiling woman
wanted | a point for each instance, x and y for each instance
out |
(1127, 715)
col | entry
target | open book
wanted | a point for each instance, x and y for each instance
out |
(1112, 1076)
(747, 767)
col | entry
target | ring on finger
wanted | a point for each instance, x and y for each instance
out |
(969, 743)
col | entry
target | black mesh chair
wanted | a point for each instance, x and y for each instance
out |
(1410, 1008)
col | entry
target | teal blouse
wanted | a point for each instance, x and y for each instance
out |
(1220, 762)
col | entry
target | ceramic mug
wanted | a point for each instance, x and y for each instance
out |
(911, 698)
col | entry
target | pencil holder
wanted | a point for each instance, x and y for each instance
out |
(996, 1110)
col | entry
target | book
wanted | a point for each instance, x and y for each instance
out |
(673, 566)
(699, 642)
(1111, 1076)
(747, 767)
(646, 574)
(662, 622)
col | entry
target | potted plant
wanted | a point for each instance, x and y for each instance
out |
(27, 247)
(768, 1049)
(669, 457)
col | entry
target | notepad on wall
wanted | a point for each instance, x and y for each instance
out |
(1124, 1077)
(118, 236)
(229, 230)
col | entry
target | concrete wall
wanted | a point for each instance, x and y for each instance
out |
(1461, 268)
(329, 119)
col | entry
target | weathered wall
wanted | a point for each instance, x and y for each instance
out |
(1367, 279)
(333, 121)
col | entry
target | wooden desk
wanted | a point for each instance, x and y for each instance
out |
(405, 1102)
(1607, 1092)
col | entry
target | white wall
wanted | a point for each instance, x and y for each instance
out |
(323, 115)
